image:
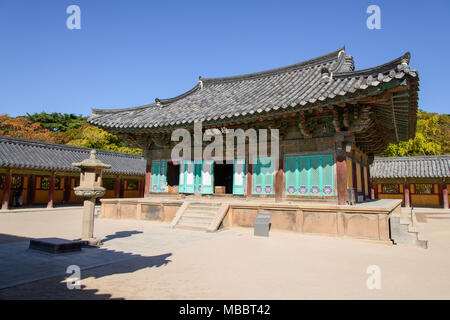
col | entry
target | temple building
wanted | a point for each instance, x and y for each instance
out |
(421, 181)
(332, 121)
(34, 173)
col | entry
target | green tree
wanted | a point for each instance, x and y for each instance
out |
(57, 122)
(93, 137)
(432, 137)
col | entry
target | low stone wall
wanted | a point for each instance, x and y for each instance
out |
(332, 220)
(369, 221)
(139, 209)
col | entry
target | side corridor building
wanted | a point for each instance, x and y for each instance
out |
(418, 181)
(40, 173)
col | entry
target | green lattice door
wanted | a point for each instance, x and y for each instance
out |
(310, 175)
(159, 176)
(263, 176)
(196, 176)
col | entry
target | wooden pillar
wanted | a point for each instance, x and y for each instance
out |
(122, 185)
(117, 187)
(51, 191)
(141, 188)
(445, 195)
(66, 195)
(279, 181)
(363, 181)
(148, 179)
(341, 176)
(249, 178)
(7, 190)
(369, 183)
(31, 189)
(354, 180)
(407, 195)
(373, 191)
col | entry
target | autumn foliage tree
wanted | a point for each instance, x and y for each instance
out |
(23, 128)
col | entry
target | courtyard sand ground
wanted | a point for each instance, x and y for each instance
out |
(148, 260)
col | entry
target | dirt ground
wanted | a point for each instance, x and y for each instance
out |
(233, 264)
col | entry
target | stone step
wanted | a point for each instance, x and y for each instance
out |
(199, 214)
(190, 226)
(199, 220)
(197, 226)
(202, 207)
(200, 210)
(402, 232)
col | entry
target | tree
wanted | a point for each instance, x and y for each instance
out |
(94, 137)
(23, 128)
(57, 122)
(432, 137)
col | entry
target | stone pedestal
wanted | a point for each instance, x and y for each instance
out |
(90, 189)
(88, 219)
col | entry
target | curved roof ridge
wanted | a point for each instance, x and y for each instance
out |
(254, 75)
(113, 110)
(180, 96)
(43, 144)
(155, 104)
(377, 69)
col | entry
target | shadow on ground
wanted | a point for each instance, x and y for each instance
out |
(55, 288)
(8, 238)
(27, 274)
(121, 234)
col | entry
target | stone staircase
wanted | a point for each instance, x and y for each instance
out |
(404, 229)
(204, 216)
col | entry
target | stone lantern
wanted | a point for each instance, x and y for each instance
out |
(90, 188)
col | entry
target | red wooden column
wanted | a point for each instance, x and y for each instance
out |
(279, 175)
(7, 190)
(141, 188)
(31, 189)
(66, 194)
(363, 181)
(407, 194)
(445, 195)
(122, 186)
(51, 191)
(354, 180)
(148, 179)
(341, 176)
(117, 187)
(370, 183)
(249, 178)
(372, 191)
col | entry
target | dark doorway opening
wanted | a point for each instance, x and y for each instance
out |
(173, 174)
(223, 177)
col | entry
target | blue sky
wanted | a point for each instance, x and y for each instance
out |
(127, 53)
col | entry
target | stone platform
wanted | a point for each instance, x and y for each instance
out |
(365, 221)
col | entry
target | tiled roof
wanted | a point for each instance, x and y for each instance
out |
(29, 154)
(295, 86)
(411, 167)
